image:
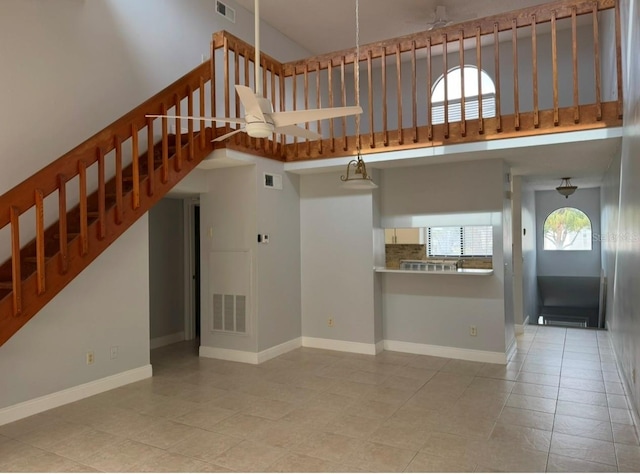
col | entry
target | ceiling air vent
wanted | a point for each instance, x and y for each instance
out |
(273, 181)
(226, 11)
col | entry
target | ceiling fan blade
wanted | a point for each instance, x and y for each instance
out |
(249, 102)
(282, 119)
(210, 119)
(296, 131)
(227, 135)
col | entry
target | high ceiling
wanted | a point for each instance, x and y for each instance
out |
(323, 26)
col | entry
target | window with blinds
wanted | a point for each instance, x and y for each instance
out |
(474, 85)
(460, 241)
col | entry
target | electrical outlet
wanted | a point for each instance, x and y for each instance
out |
(473, 331)
(330, 322)
(90, 358)
(114, 352)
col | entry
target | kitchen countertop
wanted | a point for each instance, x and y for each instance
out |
(459, 271)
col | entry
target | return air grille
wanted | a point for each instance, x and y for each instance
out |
(229, 313)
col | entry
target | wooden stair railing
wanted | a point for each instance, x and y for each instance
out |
(41, 268)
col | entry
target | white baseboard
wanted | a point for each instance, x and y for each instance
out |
(520, 327)
(278, 350)
(166, 340)
(379, 346)
(511, 350)
(342, 346)
(73, 394)
(448, 352)
(250, 357)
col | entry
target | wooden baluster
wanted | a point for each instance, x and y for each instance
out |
(84, 230)
(102, 231)
(399, 93)
(247, 82)
(264, 92)
(596, 58)
(414, 92)
(496, 55)
(445, 68)
(236, 69)
(214, 103)
(165, 143)
(332, 139)
(283, 151)
(178, 160)
(190, 132)
(150, 158)
(62, 223)
(225, 63)
(574, 51)
(534, 54)
(372, 136)
(383, 69)
(479, 63)
(344, 103)
(618, 34)
(463, 115)
(203, 113)
(429, 86)
(356, 89)
(119, 191)
(15, 260)
(306, 103)
(40, 248)
(554, 61)
(294, 101)
(273, 105)
(135, 167)
(319, 105)
(516, 89)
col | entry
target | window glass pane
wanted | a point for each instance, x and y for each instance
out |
(567, 228)
(458, 241)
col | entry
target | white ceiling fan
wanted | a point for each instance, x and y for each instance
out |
(260, 121)
(440, 18)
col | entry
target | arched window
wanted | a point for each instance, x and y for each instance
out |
(567, 228)
(486, 90)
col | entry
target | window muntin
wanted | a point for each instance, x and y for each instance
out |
(460, 241)
(567, 228)
(486, 90)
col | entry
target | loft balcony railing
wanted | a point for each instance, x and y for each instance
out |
(553, 68)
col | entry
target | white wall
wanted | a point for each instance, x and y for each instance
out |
(624, 322)
(529, 260)
(438, 309)
(278, 262)
(107, 305)
(336, 232)
(166, 268)
(569, 263)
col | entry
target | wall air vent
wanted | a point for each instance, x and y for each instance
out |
(273, 181)
(226, 11)
(229, 313)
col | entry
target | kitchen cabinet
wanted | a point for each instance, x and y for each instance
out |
(404, 235)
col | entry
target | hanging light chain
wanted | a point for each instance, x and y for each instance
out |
(356, 65)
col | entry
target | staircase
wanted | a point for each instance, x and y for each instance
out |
(107, 204)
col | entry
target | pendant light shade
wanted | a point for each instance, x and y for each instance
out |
(566, 188)
(359, 179)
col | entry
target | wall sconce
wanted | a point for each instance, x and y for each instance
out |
(359, 179)
(566, 188)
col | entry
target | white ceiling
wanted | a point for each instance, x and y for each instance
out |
(323, 26)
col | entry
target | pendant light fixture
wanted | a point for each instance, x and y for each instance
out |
(566, 188)
(359, 179)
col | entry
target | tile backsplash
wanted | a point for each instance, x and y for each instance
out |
(394, 253)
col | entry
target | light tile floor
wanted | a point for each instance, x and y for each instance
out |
(558, 406)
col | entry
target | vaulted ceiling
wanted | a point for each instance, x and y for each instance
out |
(323, 26)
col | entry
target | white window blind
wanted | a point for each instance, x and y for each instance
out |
(471, 110)
(459, 241)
